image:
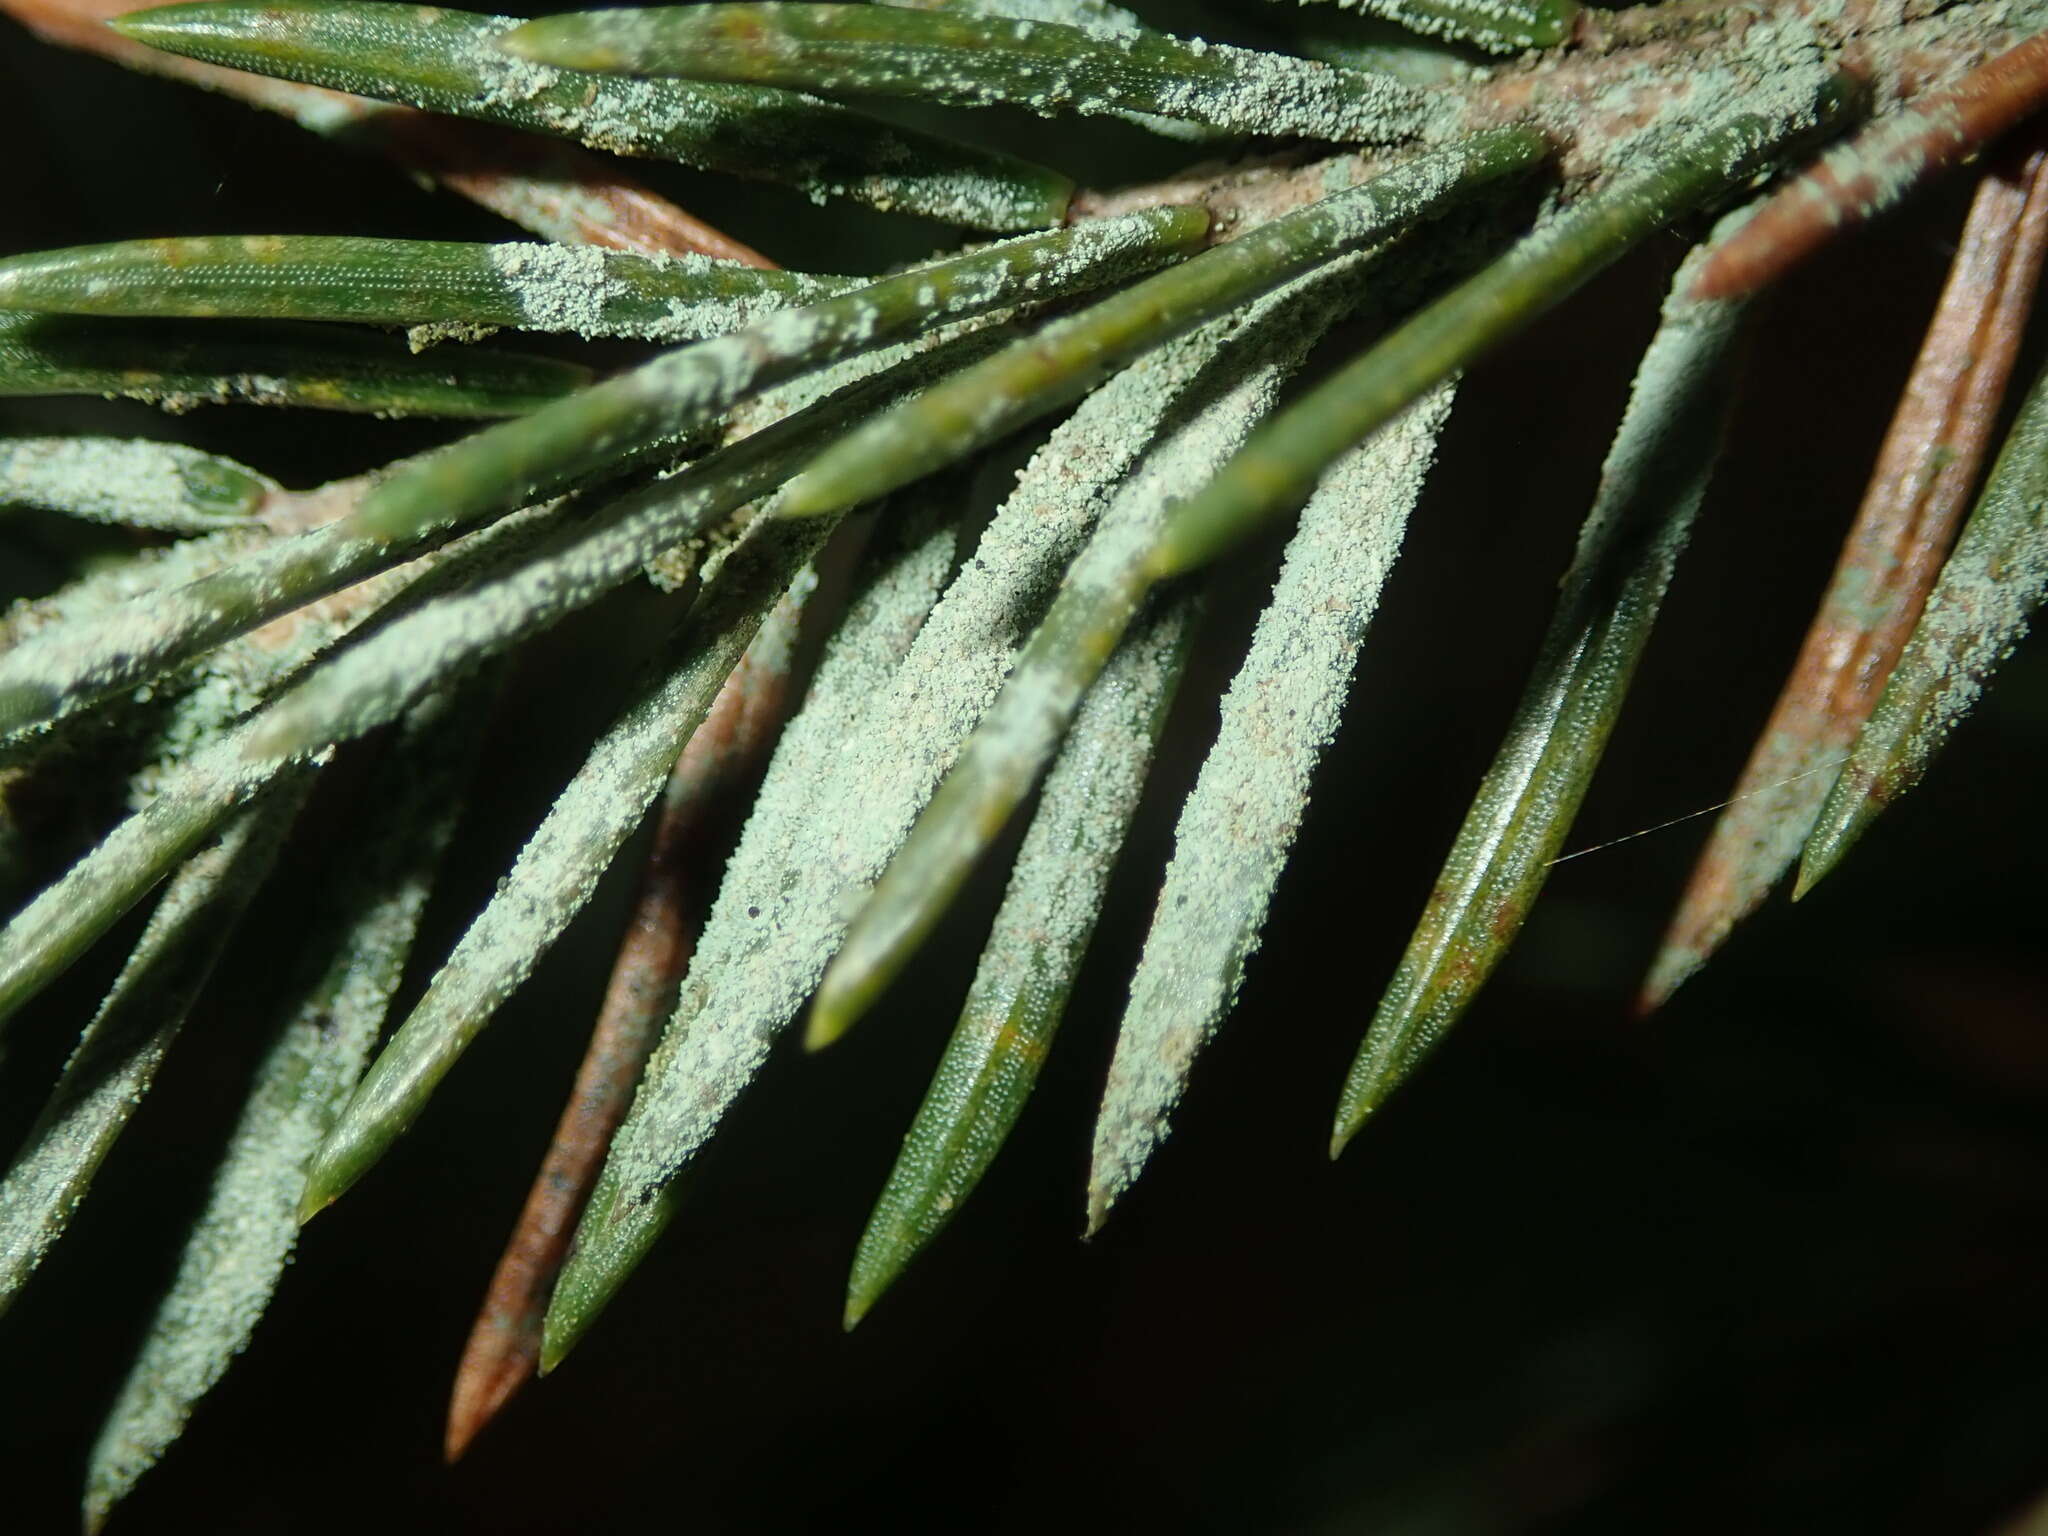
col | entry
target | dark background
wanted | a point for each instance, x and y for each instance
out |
(1772, 1260)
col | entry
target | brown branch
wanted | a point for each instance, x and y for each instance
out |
(555, 190)
(504, 1344)
(1918, 492)
(1622, 73)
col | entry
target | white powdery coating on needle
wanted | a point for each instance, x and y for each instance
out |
(449, 61)
(558, 287)
(866, 648)
(204, 771)
(111, 588)
(773, 929)
(1772, 85)
(1979, 611)
(558, 868)
(1039, 938)
(1064, 863)
(560, 865)
(1271, 93)
(836, 813)
(672, 394)
(1238, 826)
(120, 1050)
(693, 385)
(1070, 13)
(240, 1244)
(1096, 14)
(789, 134)
(1266, 342)
(229, 682)
(369, 684)
(1500, 26)
(1051, 68)
(164, 486)
(585, 291)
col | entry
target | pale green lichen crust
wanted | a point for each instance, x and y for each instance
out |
(1238, 826)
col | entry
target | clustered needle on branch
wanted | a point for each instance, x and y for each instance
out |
(1439, 203)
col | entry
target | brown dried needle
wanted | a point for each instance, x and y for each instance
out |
(504, 1342)
(1918, 492)
(1877, 168)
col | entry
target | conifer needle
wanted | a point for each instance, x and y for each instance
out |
(447, 283)
(1103, 592)
(449, 61)
(1033, 954)
(1918, 491)
(1499, 26)
(119, 1053)
(1690, 168)
(595, 433)
(238, 1248)
(1238, 825)
(965, 60)
(553, 189)
(162, 486)
(1063, 361)
(1878, 167)
(179, 365)
(900, 689)
(558, 868)
(693, 385)
(1651, 488)
(1981, 605)
(504, 1343)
